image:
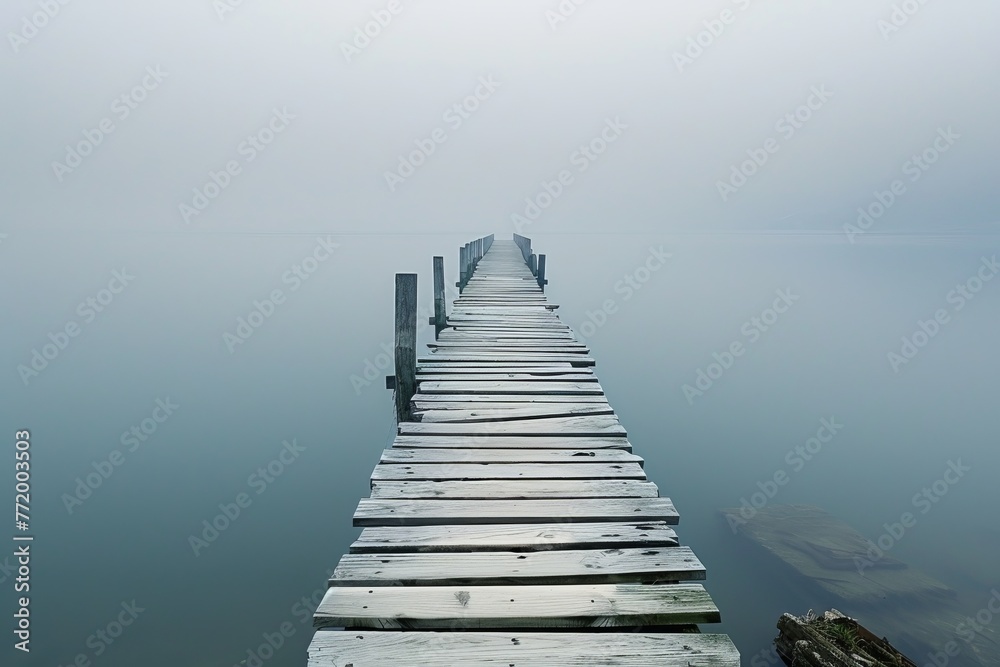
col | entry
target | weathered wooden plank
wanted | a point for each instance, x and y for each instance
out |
(503, 348)
(487, 369)
(537, 649)
(444, 471)
(511, 489)
(494, 568)
(513, 442)
(504, 412)
(476, 455)
(526, 399)
(379, 512)
(528, 338)
(547, 321)
(506, 377)
(507, 325)
(539, 347)
(497, 607)
(512, 387)
(515, 537)
(575, 359)
(585, 425)
(512, 317)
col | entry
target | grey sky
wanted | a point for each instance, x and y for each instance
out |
(687, 125)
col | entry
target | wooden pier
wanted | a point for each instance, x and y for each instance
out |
(510, 523)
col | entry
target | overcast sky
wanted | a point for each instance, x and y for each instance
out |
(686, 114)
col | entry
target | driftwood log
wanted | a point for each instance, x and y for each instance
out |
(833, 640)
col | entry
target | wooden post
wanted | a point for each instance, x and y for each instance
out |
(461, 269)
(405, 352)
(468, 264)
(541, 272)
(531, 264)
(440, 303)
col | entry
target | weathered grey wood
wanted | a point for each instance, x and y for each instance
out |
(511, 345)
(513, 502)
(534, 649)
(494, 568)
(531, 318)
(405, 350)
(443, 471)
(512, 387)
(487, 412)
(440, 302)
(520, 357)
(379, 512)
(510, 489)
(585, 425)
(478, 455)
(461, 270)
(515, 537)
(507, 376)
(513, 442)
(496, 607)
(482, 369)
(530, 338)
(529, 399)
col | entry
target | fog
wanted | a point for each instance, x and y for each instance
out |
(170, 167)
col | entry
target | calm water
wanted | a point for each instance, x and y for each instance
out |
(162, 337)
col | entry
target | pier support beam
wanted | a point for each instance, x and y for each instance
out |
(405, 351)
(440, 318)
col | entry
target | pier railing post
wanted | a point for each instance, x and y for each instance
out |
(540, 273)
(440, 303)
(461, 270)
(405, 351)
(531, 264)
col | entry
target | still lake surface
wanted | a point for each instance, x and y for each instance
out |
(162, 337)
